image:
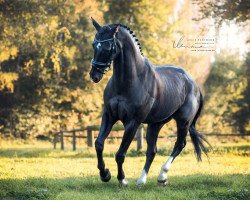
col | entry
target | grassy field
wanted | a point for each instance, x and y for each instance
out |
(36, 171)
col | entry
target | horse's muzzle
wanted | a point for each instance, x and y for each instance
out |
(95, 76)
(96, 80)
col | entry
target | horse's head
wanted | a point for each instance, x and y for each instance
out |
(105, 50)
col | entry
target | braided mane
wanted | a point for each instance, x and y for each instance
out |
(133, 35)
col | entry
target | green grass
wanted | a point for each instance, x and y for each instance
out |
(36, 171)
(197, 186)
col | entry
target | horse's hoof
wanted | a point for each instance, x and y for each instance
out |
(140, 183)
(123, 183)
(106, 177)
(162, 183)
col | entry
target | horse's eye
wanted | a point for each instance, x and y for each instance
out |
(107, 46)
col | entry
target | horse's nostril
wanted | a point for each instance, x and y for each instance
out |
(95, 79)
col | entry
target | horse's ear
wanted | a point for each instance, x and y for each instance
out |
(95, 24)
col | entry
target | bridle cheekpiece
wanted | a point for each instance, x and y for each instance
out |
(105, 66)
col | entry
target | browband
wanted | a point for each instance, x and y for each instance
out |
(103, 40)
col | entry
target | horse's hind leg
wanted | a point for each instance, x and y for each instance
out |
(180, 143)
(151, 137)
(184, 117)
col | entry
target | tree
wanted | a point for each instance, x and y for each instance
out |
(242, 116)
(227, 96)
(157, 24)
(151, 24)
(220, 10)
(45, 54)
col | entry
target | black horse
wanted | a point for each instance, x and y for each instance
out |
(139, 92)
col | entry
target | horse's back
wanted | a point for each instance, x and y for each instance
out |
(169, 68)
(168, 71)
(171, 74)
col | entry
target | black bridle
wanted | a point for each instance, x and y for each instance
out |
(105, 66)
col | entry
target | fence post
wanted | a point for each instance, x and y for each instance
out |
(90, 137)
(139, 137)
(74, 140)
(55, 140)
(61, 139)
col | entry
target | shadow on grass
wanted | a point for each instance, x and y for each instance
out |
(186, 187)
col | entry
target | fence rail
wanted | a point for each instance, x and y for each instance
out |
(59, 136)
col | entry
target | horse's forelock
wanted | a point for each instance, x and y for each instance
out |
(106, 32)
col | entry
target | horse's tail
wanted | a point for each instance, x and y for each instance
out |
(197, 138)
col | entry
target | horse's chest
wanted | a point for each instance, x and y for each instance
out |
(119, 107)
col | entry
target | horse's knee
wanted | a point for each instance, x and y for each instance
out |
(98, 145)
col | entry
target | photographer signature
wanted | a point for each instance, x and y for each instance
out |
(197, 43)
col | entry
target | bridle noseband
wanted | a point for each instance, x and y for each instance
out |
(101, 66)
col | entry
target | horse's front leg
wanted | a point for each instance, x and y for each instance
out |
(151, 137)
(106, 126)
(130, 130)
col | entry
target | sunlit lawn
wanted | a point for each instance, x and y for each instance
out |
(36, 171)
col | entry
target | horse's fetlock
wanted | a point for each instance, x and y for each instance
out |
(101, 167)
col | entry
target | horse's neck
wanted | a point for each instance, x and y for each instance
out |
(128, 65)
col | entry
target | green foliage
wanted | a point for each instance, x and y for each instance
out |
(233, 10)
(227, 106)
(150, 22)
(45, 54)
(46, 45)
(6, 81)
(242, 116)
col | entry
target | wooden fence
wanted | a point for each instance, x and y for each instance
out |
(59, 136)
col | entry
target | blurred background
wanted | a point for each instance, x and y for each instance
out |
(45, 89)
(45, 55)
